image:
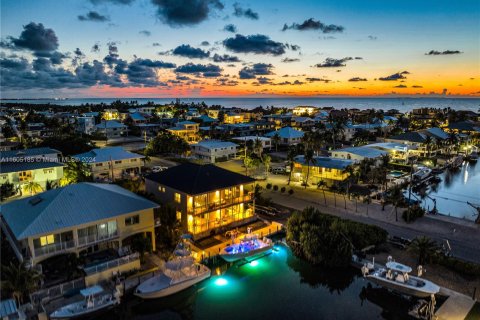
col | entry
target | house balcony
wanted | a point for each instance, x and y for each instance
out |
(95, 238)
(223, 203)
(54, 248)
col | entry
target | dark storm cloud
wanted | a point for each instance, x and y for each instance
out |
(356, 79)
(209, 70)
(287, 60)
(119, 2)
(188, 51)
(230, 28)
(93, 16)
(257, 44)
(256, 69)
(446, 52)
(333, 63)
(185, 12)
(241, 12)
(14, 64)
(312, 24)
(34, 37)
(225, 58)
(57, 57)
(141, 72)
(395, 76)
(145, 33)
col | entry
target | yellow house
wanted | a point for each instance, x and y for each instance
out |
(187, 130)
(208, 199)
(80, 218)
(321, 168)
(111, 114)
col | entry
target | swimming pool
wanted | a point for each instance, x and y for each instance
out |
(396, 173)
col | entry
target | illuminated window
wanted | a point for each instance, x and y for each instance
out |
(46, 240)
(179, 215)
(161, 189)
(178, 197)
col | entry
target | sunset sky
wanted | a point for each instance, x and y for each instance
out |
(207, 48)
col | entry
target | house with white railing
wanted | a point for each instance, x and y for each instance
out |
(78, 218)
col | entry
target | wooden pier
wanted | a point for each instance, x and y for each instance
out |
(456, 307)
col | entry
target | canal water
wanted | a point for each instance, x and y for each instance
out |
(278, 286)
(456, 189)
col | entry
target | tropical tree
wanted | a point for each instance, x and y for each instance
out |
(267, 160)
(355, 197)
(367, 200)
(322, 185)
(384, 170)
(309, 159)
(428, 143)
(7, 190)
(19, 280)
(49, 185)
(335, 189)
(75, 172)
(395, 196)
(424, 247)
(258, 147)
(141, 244)
(32, 187)
(248, 162)
(276, 140)
(291, 154)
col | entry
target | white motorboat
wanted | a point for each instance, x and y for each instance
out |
(422, 173)
(95, 300)
(180, 273)
(395, 276)
(249, 246)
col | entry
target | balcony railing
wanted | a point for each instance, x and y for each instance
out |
(54, 248)
(219, 204)
(94, 238)
(111, 264)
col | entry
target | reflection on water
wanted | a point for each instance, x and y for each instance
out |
(278, 286)
(457, 187)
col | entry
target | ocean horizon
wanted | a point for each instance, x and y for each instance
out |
(400, 103)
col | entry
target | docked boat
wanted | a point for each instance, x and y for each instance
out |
(396, 277)
(250, 246)
(422, 173)
(180, 273)
(95, 300)
(473, 157)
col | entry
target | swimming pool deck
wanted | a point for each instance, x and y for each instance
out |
(203, 253)
(456, 307)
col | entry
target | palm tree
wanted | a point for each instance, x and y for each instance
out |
(19, 280)
(367, 200)
(33, 187)
(395, 197)
(427, 143)
(334, 188)
(343, 191)
(276, 140)
(355, 196)
(309, 159)
(74, 172)
(321, 185)
(248, 163)
(258, 147)
(385, 161)
(49, 185)
(424, 247)
(266, 159)
(292, 153)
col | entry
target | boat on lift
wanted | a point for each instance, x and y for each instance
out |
(396, 277)
(180, 273)
(250, 246)
(422, 173)
(95, 300)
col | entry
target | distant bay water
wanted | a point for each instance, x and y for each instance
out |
(402, 104)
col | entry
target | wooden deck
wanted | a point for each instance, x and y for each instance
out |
(456, 307)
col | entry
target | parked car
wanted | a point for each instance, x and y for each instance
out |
(158, 169)
(278, 170)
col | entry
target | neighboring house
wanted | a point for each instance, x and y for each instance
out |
(303, 123)
(187, 130)
(397, 151)
(35, 130)
(466, 127)
(111, 114)
(38, 165)
(85, 125)
(146, 110)
(149, 129)
(288, 136)
(208, 199)
(137, 117)
(327, 169)
(112, 163)
(213, 150)
(302, 110)
(358, 154)
(418, 140)
(266, 142)
(79, 218)
(111, 129)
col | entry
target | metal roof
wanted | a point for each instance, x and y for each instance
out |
(363, 151)
(110, 124)
(7, 167)
(286, 133)
(107, 154)
(70, 206)
(32, 152)
(215, 144)
(7, 308)
(326, 162)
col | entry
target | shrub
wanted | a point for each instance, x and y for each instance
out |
(275, 188)
(290, 192)
(269, 186)
(413, 213)
(457, 265)
(283, 189)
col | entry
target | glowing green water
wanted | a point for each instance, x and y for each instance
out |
(278, 286)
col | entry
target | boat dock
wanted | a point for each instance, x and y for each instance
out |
(456, 307)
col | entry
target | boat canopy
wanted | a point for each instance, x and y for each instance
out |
(180, 263)
(91, 291)
(398, 267)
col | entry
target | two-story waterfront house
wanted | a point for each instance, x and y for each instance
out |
(208, 199)
(187, 130)
(326, 169)
(78, 218)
